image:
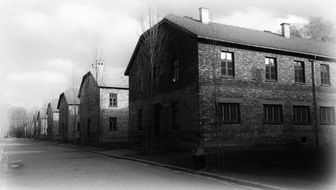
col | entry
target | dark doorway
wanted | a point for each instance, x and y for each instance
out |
(157, 121)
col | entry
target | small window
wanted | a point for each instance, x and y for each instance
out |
(271, 69)
(229, 112)
(113, 100)
(175, 70)
(272, 113)
(299, 73)
(227, 64)
(175, 115)
(301, 114)
(140, 122)
(113, 123)
(327, 115)
(325, 74)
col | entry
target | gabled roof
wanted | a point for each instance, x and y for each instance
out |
(53, 105)
(246, 37)
(110, 78)
(70, 96)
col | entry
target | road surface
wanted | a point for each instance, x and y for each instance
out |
(30, 164)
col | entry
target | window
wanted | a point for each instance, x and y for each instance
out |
(113, 123)
(299, 73)
(113, 100)
(78, 126)
(301, 114)
(140, 125)
(175, 115)
(229, 112)
(272, 113)
(227, 64)
(271, 69)
(327, 115)
(175, 70)
(325, 74)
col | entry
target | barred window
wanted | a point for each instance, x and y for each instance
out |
(271, 69)
(299, 73)
(301, 114)
(272, 113)
(325, 74)
(113, 124)
(227, 64)
(327, 115)
(113, 100)
(229, 112)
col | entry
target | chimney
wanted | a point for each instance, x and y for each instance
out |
(285, 30)
(204, 15)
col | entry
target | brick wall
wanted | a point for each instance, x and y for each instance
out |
(249, 89)
(185, 91)
(89, 111)
(120, 112)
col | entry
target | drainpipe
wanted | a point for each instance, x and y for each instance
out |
(315, 117)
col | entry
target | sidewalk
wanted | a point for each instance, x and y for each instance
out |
(251, 174)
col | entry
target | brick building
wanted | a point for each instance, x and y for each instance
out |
(69, 118)
(42, 125)
(53, 116)
(226, 86)
(103, 97)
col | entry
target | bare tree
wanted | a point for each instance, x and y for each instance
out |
(318, 29)
(17, 121)
(151, 54)
(73, 109)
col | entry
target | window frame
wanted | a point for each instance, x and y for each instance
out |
(228, 106)
(327, 73)
(332, 114)
(113, 100)
(113, 122)
(226, 62)
(300, 108)
(176, 70)
(273, 114)
(270, 72)
(297, 70)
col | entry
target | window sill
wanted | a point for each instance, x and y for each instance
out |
(300, 83)
(271, 81)
(298, 123)
(325, 85)
(227, 77)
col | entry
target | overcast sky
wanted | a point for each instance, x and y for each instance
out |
(42, 42)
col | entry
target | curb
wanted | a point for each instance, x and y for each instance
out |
(181, 169)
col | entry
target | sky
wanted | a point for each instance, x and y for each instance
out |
(45, 44)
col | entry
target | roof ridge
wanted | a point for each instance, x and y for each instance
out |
(258, 30)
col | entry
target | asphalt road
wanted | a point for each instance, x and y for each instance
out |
(30, 164)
